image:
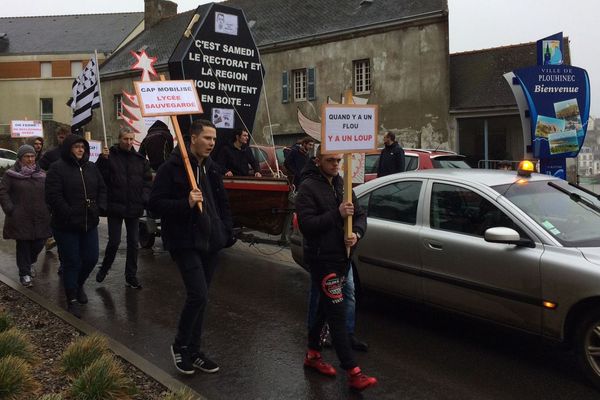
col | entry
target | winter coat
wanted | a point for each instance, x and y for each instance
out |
(319, 218)
(75, 190)
(22, 199)
(391, 160)
(237, 160)
(128, 181)
(157, 145)
(183, 227)
(295, 162)
(49, 157)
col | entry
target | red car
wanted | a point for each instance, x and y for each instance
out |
(418, 159)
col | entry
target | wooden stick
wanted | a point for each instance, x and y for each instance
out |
(348, 179)
(184, 153)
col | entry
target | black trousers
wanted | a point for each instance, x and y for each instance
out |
(114, 239)
(332, 308)
(27, 254)
(196, 272)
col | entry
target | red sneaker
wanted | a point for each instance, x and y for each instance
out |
(359, 381)
(313, 360)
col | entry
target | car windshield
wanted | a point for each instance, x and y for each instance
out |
(567, 213)
(449, 162)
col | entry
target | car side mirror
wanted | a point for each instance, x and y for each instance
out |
(506, 236)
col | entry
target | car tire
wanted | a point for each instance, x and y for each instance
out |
(587, 346)
(146, 238)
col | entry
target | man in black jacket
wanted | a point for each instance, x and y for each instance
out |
(391, 159)
(321, 212)
(53, 154)
(236, 157)
(129, 180)
(192, 237)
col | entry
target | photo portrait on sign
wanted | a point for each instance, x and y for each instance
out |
(226, 23)
(223, 118)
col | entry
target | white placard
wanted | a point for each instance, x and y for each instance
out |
(159, 98)
(26, 128)
(95, 149)
(349, 128)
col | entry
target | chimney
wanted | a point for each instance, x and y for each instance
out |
(157, 10)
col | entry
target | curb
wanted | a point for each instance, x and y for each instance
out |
(116, 347)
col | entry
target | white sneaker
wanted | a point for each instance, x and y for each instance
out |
(26, 281)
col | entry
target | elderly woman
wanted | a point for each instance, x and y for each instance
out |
(27, 217)
(75, 193)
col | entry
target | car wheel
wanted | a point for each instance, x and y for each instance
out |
(587, 346)
(146, 238)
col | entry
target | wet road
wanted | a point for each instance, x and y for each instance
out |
(255, 330)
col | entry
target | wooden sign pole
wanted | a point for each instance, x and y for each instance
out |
(184, 153)
(348, 179)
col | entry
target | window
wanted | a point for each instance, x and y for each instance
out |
(396, 202)
(461, 210)
(76, 68)
(46, 69)
(362, 76)
(119, 106)
(46, 109)
(411, 163)
(299, 84)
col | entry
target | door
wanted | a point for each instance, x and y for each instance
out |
(462, 271)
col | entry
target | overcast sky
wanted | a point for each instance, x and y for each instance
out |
(474, 24)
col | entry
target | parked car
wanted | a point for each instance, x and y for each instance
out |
(418, 159)
(7, 158)
(520, 251)
(266, 156)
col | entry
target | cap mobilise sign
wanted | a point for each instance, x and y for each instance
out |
(221, 58)
(558, 97)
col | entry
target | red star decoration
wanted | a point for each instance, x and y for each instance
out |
(145, 63)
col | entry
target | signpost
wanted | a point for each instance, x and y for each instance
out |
(26, 128)
(171, 98)
(348, 128)
(219, 54)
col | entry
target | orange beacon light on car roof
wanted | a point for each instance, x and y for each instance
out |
(525, 168)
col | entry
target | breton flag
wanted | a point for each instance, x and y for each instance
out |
(86, 96)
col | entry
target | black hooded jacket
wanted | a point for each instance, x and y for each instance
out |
(128, 179)
(183, 227)
(75, 190)
(157, 145)
(319, 218)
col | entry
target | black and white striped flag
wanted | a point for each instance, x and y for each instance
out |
(86, 96)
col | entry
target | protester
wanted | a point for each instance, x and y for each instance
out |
(76, 194)
(298, 157)
(193, 238)
(157, 145)
(321, 213)
(27, 218)
(38, 146)
(128, 181)
(54, 154)
(236, 157)
(391, 159)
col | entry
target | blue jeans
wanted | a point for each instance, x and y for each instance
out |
(79, 255)
(349, 298)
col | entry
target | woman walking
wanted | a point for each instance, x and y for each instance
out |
(75, 193)
(27, 218)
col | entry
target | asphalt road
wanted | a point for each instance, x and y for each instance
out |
(255, 330)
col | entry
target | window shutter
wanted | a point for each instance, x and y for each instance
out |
(312, 90)
(285, 87)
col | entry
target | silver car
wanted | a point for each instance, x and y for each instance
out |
(521, 251)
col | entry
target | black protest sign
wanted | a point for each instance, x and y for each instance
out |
(220, 56)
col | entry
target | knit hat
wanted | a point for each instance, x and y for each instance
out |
(25, 149)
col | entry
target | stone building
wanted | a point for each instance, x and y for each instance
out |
(393, 53)
(40, 56)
